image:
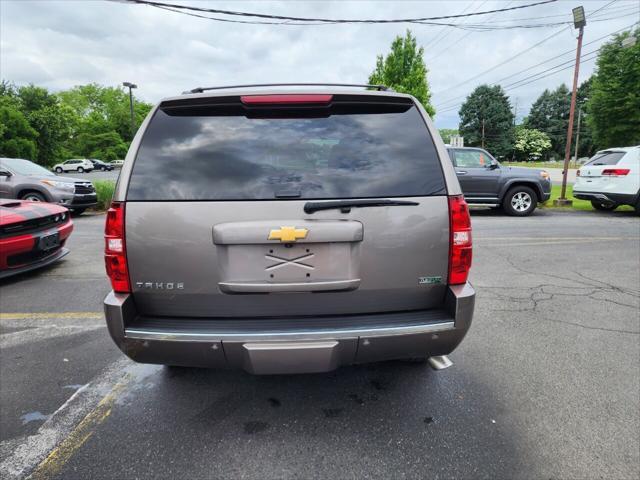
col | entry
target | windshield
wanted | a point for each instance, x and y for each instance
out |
(24, 167)
(349, 155)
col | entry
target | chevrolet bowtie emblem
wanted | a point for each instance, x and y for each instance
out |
(288, 234)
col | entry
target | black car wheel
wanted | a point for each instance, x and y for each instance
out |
(520, 201)
(58, 169)
(604, 207)
(80, 170)
(33, 197)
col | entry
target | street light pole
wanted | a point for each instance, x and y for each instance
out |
(579, 21)
(133, 122)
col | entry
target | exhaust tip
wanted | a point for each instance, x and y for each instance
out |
(440, 362)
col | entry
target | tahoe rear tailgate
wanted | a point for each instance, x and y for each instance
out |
(215, 212)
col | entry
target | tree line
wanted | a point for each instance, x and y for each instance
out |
(87, 121)
(93, 121)
(608, 104)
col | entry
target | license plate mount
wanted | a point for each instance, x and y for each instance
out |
(49, 241)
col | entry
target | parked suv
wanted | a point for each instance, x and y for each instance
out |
(610, 178)
(25, 180)
(74, 165)
(287, 232)
(484, 181)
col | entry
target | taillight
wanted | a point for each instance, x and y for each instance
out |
(616, 172)
(460, 244)
(115, 252)
(289, 99)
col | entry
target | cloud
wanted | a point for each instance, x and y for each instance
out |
(59, 44)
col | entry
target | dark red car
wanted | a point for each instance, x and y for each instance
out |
(32, 235)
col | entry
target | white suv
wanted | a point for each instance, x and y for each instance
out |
(74, 165)
(611, 178)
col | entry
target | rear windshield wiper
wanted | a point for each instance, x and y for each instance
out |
(346, 205)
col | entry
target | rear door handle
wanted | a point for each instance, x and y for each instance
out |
(461, 172)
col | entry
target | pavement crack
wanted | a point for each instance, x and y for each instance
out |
(603, 329)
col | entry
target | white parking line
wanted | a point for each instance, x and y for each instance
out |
(71, 425)
(34, 334)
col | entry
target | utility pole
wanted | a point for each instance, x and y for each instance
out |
(579, 21)
(515, 115)
(133, 122)
(483, 133)
(575, 155)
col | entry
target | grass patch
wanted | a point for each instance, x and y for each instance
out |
(104, 190)
(577, 203)
(538, 164)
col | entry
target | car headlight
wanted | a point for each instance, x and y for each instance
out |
(67, 187)
(544, 174)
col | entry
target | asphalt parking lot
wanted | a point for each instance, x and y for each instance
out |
(546, 384)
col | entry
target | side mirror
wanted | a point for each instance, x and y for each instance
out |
(5, 173)
(493, 165)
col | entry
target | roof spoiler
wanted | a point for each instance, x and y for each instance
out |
(266, 85)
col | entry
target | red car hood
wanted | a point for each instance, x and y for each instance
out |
(15, 211)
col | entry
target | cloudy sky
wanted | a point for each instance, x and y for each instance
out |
(59, 44)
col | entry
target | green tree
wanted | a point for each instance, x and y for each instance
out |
(403, 69)
(105, 146)
(17, 138)
(447, 133)
(550, 114)
(530, 144)
(614, 101)
(101, 115)
(49, 118)
(488, 107)
(586, 147)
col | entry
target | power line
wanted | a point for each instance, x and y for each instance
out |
(456, 99)
(463, 26)
(535, 77)
(590, 14)
(559, 55)
(583, 60)
(328, 20)
(555, 34)
(531, 79)
(463, 36)
(446, 32)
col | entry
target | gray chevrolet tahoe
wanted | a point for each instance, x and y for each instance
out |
(282, 231)
(485, 182)
(22, 179)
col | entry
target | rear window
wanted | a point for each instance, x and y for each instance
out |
(346, 151)
(606, 158)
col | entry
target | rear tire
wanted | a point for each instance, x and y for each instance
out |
(80, 170)
(604, 207)
(58, 169)
(33, 197)
(520, 201)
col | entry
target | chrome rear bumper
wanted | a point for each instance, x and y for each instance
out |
(304, 345)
